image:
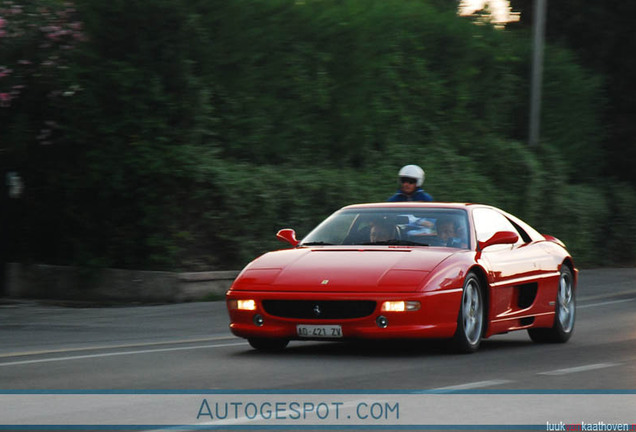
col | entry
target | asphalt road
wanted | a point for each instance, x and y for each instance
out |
(189, 347)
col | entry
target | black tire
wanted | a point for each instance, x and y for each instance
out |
(268, 344)
(471, 316)
(564, 313)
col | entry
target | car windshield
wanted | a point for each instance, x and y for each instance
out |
(385, 226)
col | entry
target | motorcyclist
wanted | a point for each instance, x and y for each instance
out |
(410, 180)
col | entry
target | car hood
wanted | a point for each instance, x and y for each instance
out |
(342, 269)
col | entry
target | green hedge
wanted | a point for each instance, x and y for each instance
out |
(196, 129)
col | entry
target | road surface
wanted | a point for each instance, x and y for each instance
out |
(189, 347)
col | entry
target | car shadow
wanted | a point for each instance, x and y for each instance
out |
(386, 349)
(366, 348)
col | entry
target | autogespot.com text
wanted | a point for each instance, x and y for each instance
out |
(310, 411)
(333, 409)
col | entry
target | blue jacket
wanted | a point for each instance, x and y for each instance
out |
(418, 195)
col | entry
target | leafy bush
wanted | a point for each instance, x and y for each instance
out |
(198, 128)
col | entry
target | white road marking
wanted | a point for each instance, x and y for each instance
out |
(577, 369)
(120, 346)
(604, 303)
(81, 357)
(475, 385)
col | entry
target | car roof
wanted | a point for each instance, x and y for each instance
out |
(411, 204)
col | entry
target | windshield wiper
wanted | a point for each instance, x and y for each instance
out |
(395, 243)
(318, 243)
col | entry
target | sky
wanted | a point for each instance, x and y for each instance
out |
(500, 9)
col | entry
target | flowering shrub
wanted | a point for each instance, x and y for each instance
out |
(36, 39)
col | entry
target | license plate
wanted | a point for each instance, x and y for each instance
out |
(319, 331)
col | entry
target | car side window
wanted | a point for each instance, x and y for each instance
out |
(488, 222)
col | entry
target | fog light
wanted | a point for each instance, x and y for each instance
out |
(400, 306)
(381, 321)
(258, 320)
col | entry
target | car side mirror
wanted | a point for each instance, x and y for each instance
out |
(500, 237)
(287, 235)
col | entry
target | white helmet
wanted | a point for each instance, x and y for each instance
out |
(412, 171)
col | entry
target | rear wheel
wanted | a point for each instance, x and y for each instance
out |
(564, 314)
(470, 321)
(268, 344)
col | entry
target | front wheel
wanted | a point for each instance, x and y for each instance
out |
(470, 320)
(268, 344)
(564, 314)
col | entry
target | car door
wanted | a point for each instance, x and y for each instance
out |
(514, 270)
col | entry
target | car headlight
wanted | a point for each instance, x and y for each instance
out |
(400, 306)
(248, 305)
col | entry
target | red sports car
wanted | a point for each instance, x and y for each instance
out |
(408, 270)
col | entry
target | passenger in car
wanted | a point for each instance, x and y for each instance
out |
(448, 232)
(381, 231)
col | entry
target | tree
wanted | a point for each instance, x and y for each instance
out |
(600, 33)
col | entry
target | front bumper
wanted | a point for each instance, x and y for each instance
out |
(436, 318)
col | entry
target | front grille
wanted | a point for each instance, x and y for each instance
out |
(319, 309)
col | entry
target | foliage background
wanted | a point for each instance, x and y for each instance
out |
(181, 134)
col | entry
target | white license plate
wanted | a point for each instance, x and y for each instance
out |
(319, 331)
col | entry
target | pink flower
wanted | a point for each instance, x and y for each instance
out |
(2, 22)
(5, 99)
